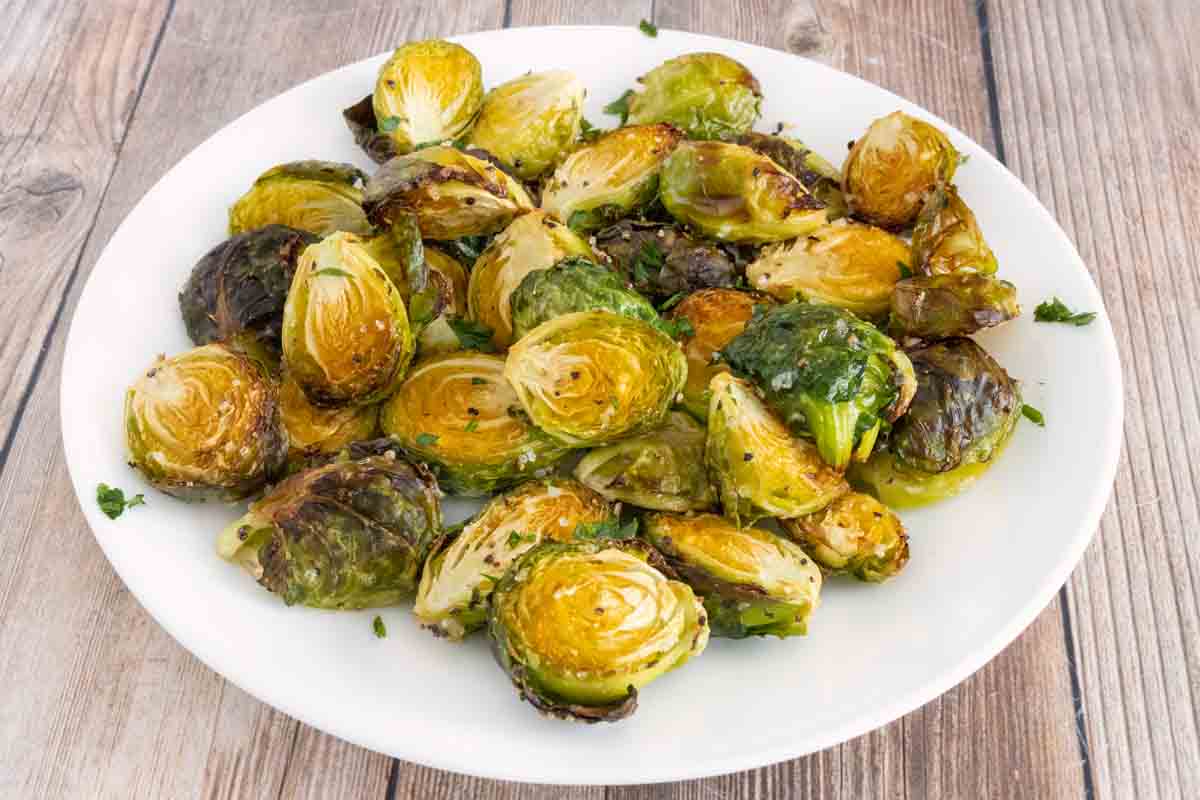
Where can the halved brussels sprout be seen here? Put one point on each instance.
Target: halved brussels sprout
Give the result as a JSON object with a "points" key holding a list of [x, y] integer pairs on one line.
{"points": [[580, 628], [427, 92], [349, 534], [533, 241], [964, 412], [449, 280], [942, 306], [753, 582], [452, 193], [706, 95], [610, 178], [828, 374], [593, 377], [346, 339], [312, 430], [661, 470], [820, 177], [947, 239], [457, 582], [531, 121], [662, 260], [574, 284], [844, 264], [238, 289], [732, 193], [716, 316], [315, 196], [761, 470], [893, 166], [400, 252], [854, 535], [204, 425], [457, 413]]}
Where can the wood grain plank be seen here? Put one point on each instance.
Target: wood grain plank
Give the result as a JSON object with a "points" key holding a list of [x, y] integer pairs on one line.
{"points": [[573, 12], [95, 698], [1098, 105], [70, 73]]}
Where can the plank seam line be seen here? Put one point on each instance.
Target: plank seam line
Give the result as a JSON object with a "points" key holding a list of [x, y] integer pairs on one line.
{"points": [[1081, 734], [40, 363], [393, 780]]}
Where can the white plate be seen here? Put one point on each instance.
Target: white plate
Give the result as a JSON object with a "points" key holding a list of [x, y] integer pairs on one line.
{"points": [[983, 565]]}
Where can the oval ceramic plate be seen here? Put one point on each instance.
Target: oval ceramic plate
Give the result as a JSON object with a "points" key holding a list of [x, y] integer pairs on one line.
{"points": [[983, 564]]}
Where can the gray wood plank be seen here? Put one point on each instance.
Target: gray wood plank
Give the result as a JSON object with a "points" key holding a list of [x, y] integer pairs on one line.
{"points": [[1098, 102], [70, 74]]}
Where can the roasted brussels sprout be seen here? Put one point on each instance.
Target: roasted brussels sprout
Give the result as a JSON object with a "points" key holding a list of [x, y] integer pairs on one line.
{"points": [[349, 534], [312, 430], [661, 470], [593, 377], [449, 280], [457, 582], [315, 196], [531, 121], [854, 535], [752, 582], [610, 178], [533, 241], [238, 289], [942, 306], [820, 177], [715, 316], [204, 425], [893, 166], [732, 193], [844, 264], [400, 252], [706, 95], [826, 373], [457, 413], [760, 469], [427, 92], [964, 412], [662, 260], [574, 284], [947, 239], [452, 193], [581, 627], [346, 339]]}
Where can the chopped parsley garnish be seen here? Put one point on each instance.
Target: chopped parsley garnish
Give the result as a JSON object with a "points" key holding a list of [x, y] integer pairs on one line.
{"points": [[388, 124], [472, 335], [1055, 310], [608, 529], [379, 628], [341, 273], [649, 28], [648, 263], [426, 440], [1033, 415], [905, 270], [112, 500], [672, 301], [620, 106], [516, 537], [478, 382], [678, 328], [472, 426], [588, 132]]}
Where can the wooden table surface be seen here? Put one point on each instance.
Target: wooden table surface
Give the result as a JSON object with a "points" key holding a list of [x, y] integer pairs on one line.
{"points": [[1093, 103]]}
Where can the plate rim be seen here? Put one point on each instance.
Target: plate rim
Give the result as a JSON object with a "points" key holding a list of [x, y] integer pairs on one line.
{"points": [[945, 679]]}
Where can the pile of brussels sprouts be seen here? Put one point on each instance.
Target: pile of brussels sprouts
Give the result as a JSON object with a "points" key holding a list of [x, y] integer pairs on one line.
{"points": [[641, 343]]}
